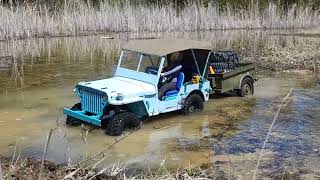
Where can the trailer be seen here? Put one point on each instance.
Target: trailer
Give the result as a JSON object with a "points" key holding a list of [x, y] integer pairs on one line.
{"points": [[229, 74]]}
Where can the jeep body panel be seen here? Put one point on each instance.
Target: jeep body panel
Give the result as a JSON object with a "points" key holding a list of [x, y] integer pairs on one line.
{"points": [[81, 115], [155, 106], [131, 90]]}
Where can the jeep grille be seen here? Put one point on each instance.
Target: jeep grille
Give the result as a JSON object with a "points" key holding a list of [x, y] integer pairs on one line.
{"points": [[91, 100]]}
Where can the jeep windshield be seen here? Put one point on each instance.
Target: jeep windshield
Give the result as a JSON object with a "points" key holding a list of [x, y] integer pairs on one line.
{"points": [[139, 62], [139, 66]]}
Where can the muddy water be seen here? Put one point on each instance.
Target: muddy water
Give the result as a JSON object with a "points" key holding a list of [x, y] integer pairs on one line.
{"points": [[229, 134], [294, 142]]}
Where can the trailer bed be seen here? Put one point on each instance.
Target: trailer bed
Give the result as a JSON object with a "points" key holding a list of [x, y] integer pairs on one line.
{"points": [[231, 80]]}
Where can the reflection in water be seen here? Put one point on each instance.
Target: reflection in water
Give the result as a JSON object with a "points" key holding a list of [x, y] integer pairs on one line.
{"points": [[41, 74], [20, 59]]}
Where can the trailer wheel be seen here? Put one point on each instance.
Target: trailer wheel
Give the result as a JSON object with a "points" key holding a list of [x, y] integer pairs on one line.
{"points": [[193, 103], [247, 87], [71, 121], [121, 120]]}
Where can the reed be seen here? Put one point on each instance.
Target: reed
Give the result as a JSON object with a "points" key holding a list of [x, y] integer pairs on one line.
{"points": [[1, 174], [76, 18]]}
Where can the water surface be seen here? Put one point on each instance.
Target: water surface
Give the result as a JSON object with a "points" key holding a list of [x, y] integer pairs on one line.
{"points": [[38, 75]]}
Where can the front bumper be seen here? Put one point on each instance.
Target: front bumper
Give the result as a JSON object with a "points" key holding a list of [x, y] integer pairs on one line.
{"points": [[94, 119]]}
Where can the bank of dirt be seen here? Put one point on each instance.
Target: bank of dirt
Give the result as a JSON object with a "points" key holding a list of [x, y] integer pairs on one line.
{"points": [[31, 168]]}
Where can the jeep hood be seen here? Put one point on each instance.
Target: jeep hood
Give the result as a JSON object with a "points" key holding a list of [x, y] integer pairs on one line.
{"points": [[131, 90]]}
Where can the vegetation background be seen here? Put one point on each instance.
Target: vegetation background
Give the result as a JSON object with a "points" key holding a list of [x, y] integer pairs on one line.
{"points": [[43, 18], [285, 4]]}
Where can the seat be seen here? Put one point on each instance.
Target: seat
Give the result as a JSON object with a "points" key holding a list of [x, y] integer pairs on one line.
{"points": [[179, 83]]}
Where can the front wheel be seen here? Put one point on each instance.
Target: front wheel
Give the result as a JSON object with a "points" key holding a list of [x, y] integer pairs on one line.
{"points": [[71, 121], [121, 120], [193, 103]]}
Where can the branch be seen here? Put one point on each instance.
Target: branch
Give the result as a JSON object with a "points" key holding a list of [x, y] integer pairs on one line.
{"points": [[270, 129], [45, 152]]}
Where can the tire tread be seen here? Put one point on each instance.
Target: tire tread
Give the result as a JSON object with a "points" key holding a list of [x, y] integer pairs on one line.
{"points": [[193, 98]]}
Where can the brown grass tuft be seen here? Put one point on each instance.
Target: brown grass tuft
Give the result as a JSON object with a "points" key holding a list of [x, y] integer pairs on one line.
{"points": [[76, 18]]}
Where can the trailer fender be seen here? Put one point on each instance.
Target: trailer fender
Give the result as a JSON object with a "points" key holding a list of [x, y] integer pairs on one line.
{"points": [[248, 75]]}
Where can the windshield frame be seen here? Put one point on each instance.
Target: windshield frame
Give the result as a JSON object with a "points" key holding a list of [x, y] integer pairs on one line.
{"points": [[136, 75]]}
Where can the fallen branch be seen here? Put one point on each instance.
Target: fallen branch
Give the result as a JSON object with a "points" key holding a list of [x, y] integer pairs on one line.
{"points": [[104, 150], [45, 152], [270, 129], [231, 168], [94, 166]]}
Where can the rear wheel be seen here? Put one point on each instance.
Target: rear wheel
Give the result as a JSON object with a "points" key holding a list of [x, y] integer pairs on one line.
{"points": [[247, 87], [71, 121], [193, 103], [121, 120]]}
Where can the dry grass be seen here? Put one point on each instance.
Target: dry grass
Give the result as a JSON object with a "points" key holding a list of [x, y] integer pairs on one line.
{"points": [[1, 174], [294, 52], [29, 168], [81, 18]]}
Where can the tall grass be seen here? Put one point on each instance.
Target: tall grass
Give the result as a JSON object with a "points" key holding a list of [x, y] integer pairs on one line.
{"points": [[76, 18]]}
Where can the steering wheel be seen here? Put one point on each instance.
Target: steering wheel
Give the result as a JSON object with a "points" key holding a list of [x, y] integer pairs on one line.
{"points": [[164, 79], [151, 70]]}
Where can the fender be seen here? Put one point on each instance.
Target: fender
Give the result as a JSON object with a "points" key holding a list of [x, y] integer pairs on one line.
{"points": [[246, 75], [197, 92]]}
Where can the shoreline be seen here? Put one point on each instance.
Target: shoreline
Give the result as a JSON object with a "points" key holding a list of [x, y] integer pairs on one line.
{"points": [[108, 33], [31, 168]]}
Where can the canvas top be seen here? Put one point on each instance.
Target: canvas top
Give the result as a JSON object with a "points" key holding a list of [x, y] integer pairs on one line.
{"points": [[163, 47]]}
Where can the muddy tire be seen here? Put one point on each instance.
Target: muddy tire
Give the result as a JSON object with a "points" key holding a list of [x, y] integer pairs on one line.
{"points": [[71, 121], [247, 87], [193, 103], [121, 120]]}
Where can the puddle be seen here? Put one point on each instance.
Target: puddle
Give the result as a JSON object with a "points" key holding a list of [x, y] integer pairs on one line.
{"points": [[228, 134]]}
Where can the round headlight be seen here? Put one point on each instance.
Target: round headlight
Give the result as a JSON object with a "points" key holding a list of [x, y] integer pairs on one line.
{"points": [[78, 91], [105, 98]]}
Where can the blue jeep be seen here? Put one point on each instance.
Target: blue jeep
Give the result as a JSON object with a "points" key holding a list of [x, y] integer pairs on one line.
{"points": [[133, 93]]}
